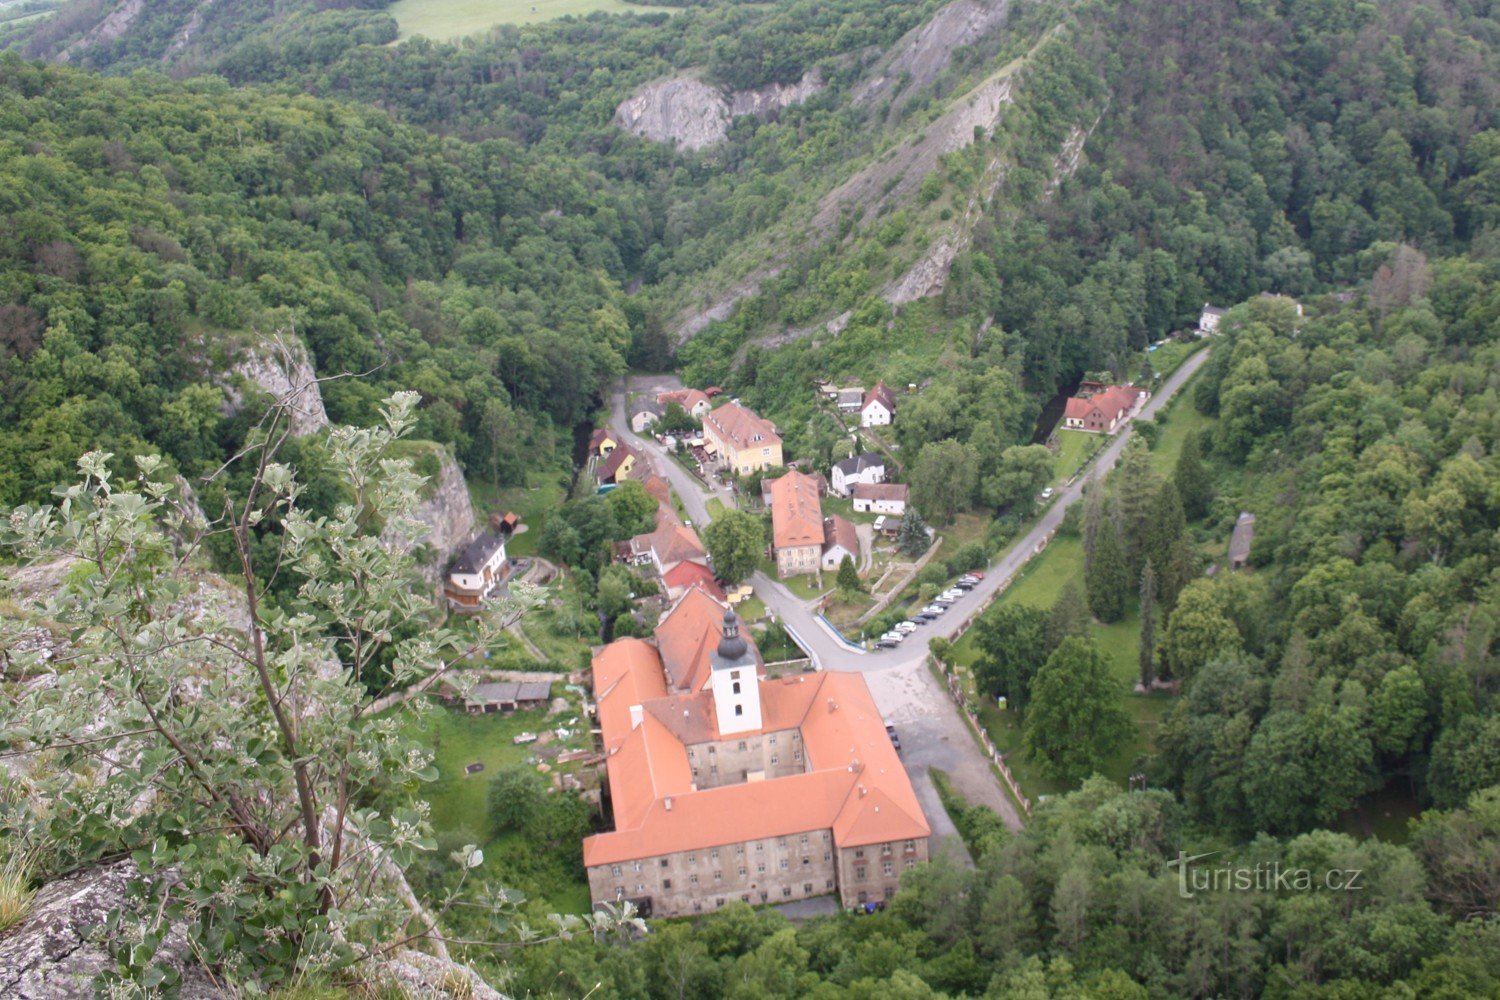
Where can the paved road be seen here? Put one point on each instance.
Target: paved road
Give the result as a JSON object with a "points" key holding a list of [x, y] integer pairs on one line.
{"points": [[692, 492], [933, 733]]}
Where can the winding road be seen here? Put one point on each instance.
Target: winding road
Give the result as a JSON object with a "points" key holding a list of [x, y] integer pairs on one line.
{"points": [[933, 734]]}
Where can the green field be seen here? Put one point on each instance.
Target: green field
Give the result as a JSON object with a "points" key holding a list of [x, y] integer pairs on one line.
{"points": [[445, 19], [1073, 449]]}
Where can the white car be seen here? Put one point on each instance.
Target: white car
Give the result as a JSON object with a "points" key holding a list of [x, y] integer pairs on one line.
{"points": [[1047, 493], [953, 592], [893, 637], [905, 628], [936, 609]]}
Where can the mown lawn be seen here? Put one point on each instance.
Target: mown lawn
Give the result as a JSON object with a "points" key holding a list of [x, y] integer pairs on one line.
{"points": [[1074, 448], [545, 492], [445, 19]]}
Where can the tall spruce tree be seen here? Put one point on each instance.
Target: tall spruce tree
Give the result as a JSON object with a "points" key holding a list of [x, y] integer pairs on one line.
{"points": [[1194, 485], [1108, 580], [1166, 527], [1148, 626], [1069, 616], [912, 539]]}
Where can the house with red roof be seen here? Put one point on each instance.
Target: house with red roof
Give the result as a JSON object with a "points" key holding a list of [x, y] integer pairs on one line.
{"points": [[879, 407], [724, 785], [1102, 410]]}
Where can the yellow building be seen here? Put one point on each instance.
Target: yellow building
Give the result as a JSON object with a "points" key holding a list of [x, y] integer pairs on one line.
{"points": [[741, 440]]}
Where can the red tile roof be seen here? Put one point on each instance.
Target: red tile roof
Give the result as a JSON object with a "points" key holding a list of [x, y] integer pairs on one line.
{"points": [[688, 635], [612, 462], [839, 531], [855, 785], [741, 427], [880, 392], [1112, 402], [796, 513], [691, 574]]}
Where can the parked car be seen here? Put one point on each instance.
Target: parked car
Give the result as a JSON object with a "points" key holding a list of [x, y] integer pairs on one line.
{"points": [[923, 617], [953, 592], [886, 644], [1047, 493], [977, 575], [935, 609], [965, 585], [905, 628], [897, 637]]}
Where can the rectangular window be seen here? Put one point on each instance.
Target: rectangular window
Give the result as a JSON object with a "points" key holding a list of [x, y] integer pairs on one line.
{"points": [[739, 850], [664, 862], [828, 883], [666, 883], [760, 845], [827, 856], [734, 675], [911, 845], [693, 879], [772, 739], [713, 854], [739, 710], [692, 859], [697, 906], [807, 887], [783, 864], [804, 840], [736, 687], [761, 867], [859, 852], [859, 872], [786, 890], [637, 866], [718, 876], [744, 745], [775, 760], [614, 869], [743, 873], [887, 869]]}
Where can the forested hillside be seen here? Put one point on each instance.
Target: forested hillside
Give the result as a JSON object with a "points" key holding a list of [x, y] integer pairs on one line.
{"points": [[154, 226]]}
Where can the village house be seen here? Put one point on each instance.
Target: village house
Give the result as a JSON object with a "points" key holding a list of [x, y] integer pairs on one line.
{"points": [[602, 442], [479, 569], [1241, 540], [685, 576], [851, 400], [645, 411], [694, 401], [1208, 319], [840, 541], [723, 785], [1099, 409], [868, 468], [796, 524], [616, 465], [879, 407], [668, 545], [881, 498], [740, 440]]}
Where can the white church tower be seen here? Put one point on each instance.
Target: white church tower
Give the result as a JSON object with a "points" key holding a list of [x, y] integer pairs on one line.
{"points": [[735, 682]]}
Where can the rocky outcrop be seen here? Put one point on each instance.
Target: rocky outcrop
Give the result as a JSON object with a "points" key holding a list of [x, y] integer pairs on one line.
{"points": [[282, 369], [925, 52], [448, 512], [695, 115], [895, 177], [114, 25], [52, 954]]}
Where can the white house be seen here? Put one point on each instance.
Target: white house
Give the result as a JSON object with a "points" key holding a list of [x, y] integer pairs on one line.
{"points": [[476, 572], [879, 407], [840, 541], [1208, 320], [866, 468], [880, 498], [644, 412]]}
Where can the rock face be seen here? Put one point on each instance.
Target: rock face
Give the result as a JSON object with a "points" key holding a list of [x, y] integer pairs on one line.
{"points": [[684, 110], [283, 370], [52, 956], [114, 24], [925, 51], [448, 513], [49, 956]]}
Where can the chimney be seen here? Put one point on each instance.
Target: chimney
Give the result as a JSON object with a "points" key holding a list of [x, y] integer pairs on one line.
{"points": [[637, 713], [833, 706], [667, 802], [863, 791]]}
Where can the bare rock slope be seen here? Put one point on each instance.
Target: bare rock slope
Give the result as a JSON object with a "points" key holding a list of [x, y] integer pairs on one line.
{"points": [[694, 115]]}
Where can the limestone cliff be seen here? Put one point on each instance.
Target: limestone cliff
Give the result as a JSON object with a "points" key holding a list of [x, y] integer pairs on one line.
{"points": [[447, 511], [925, 52], [684, 110], [282, 369]]}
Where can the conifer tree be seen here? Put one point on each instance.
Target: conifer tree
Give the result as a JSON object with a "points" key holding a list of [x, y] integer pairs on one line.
{"points": [[1148, 625], [1108, 580]]}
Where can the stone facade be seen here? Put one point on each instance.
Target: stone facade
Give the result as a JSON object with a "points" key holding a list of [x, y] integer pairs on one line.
{"points": [[754, 758], [773, 870], [872, 873], [798, 559]]}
